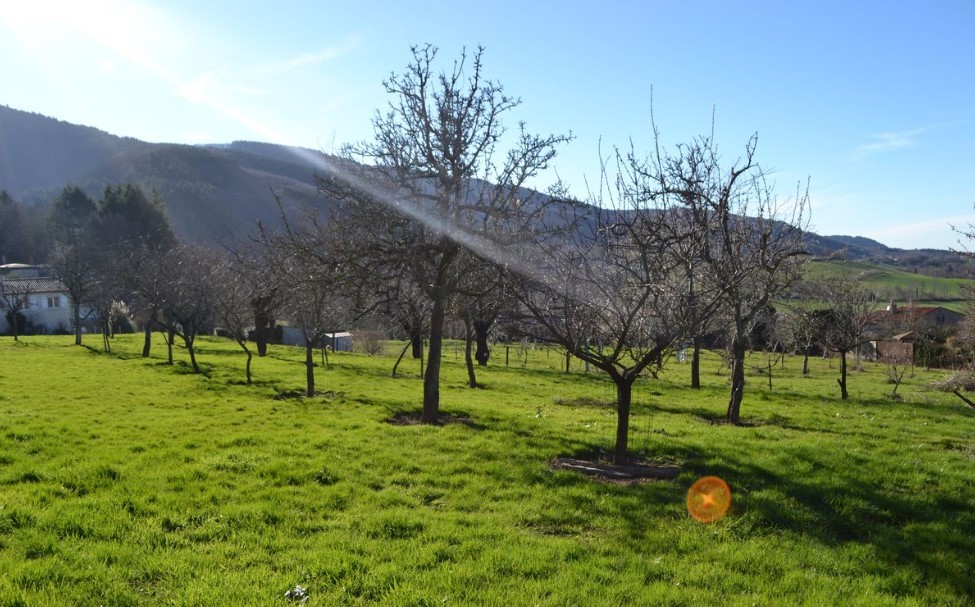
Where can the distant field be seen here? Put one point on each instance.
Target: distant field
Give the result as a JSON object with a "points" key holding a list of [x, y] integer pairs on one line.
{"points": [[893, 284], [124, 481]]}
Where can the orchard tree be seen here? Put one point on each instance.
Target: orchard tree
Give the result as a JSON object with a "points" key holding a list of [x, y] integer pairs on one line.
{"points": [[607, 291], [437, 196], [799, 328], [407, 306], [700, 305], [751, 244], [486, 291], [844, 321], [308, 280], [233, 303], [148, 285], [190, 280], [15, 297], [312, 305]]}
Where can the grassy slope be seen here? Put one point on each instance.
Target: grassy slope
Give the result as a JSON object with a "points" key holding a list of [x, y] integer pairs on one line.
{"points": [[892, 283], [128, 482]]}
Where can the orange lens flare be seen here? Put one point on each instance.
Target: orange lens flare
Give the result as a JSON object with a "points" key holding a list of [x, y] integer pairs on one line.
{"points": [[708, 499]]}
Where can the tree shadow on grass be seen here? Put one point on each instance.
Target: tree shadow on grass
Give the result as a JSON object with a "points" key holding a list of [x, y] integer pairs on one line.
{"points": [[835, 506], [922, 541], [182, 367]]}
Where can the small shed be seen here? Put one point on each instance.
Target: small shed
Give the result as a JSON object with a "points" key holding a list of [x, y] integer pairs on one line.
{"points": [[336, 342], [339, 342], [897, 349]]}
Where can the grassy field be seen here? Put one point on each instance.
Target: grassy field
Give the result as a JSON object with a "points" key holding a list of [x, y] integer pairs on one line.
{"points": [[124, 481], [890, 283]]}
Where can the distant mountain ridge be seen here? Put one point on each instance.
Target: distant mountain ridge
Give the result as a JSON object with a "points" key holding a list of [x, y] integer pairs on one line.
{"points": [[217, 192], [212, 192]]}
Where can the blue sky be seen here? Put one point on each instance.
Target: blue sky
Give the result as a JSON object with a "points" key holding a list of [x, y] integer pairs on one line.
{"points": [[873, 101]]}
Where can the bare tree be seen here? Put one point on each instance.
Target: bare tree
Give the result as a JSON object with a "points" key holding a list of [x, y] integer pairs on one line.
{"points": [[751, 239], [308, 281], [700, 307], [843, 323], [233, 304], [189, 305], [607, 291], [436, 198], [147, 283], [484, 292], [105, 307], [799, 326], [76, 267], [316, 310], [15, 297]]}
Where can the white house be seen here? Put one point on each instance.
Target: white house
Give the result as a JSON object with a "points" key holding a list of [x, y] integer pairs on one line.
{"points": [[42, 299]]}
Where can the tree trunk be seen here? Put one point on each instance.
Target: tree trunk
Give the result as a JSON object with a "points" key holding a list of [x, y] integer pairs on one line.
{"points": [[624, 396], [737, 381], [400, 357], [248, 366], [309, 369], [967, 400], [468, 358], [263, 324], [431, 379], [76, 311], [416, 341], [147, 340], [805, 362], [189, 347], [483, 353], [696, 364], [243, 345], [169, 347], [842, 381]]}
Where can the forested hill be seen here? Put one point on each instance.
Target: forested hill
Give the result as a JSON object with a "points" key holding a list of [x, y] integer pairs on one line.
{"points": [[216, 192], [212, 193]]}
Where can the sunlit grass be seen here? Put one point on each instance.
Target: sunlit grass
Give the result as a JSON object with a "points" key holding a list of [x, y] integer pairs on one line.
{"points": [[124, 481], [892, 283]]}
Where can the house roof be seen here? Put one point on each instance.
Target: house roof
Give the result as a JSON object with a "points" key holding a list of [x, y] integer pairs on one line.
{"points": [[31, 286], [907, 314]]}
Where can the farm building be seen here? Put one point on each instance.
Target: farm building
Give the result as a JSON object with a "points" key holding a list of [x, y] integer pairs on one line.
{"points": [[42, 300], [336, 342]]}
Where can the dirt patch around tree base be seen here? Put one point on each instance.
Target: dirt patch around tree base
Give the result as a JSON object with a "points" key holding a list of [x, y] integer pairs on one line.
{"points": [[626, 474], [416, 418]]}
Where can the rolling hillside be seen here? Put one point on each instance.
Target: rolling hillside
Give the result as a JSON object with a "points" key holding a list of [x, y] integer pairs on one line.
{"points": [[213, 193], [894, 284], [218, 192]]}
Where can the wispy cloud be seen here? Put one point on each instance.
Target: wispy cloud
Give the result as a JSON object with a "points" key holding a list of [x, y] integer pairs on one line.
{"points": [[307, 59], [888, 142], [226, 91]]}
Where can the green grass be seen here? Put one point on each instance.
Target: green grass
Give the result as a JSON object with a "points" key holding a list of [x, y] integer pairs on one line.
{"points": [[890, 283], [124, 481]]}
